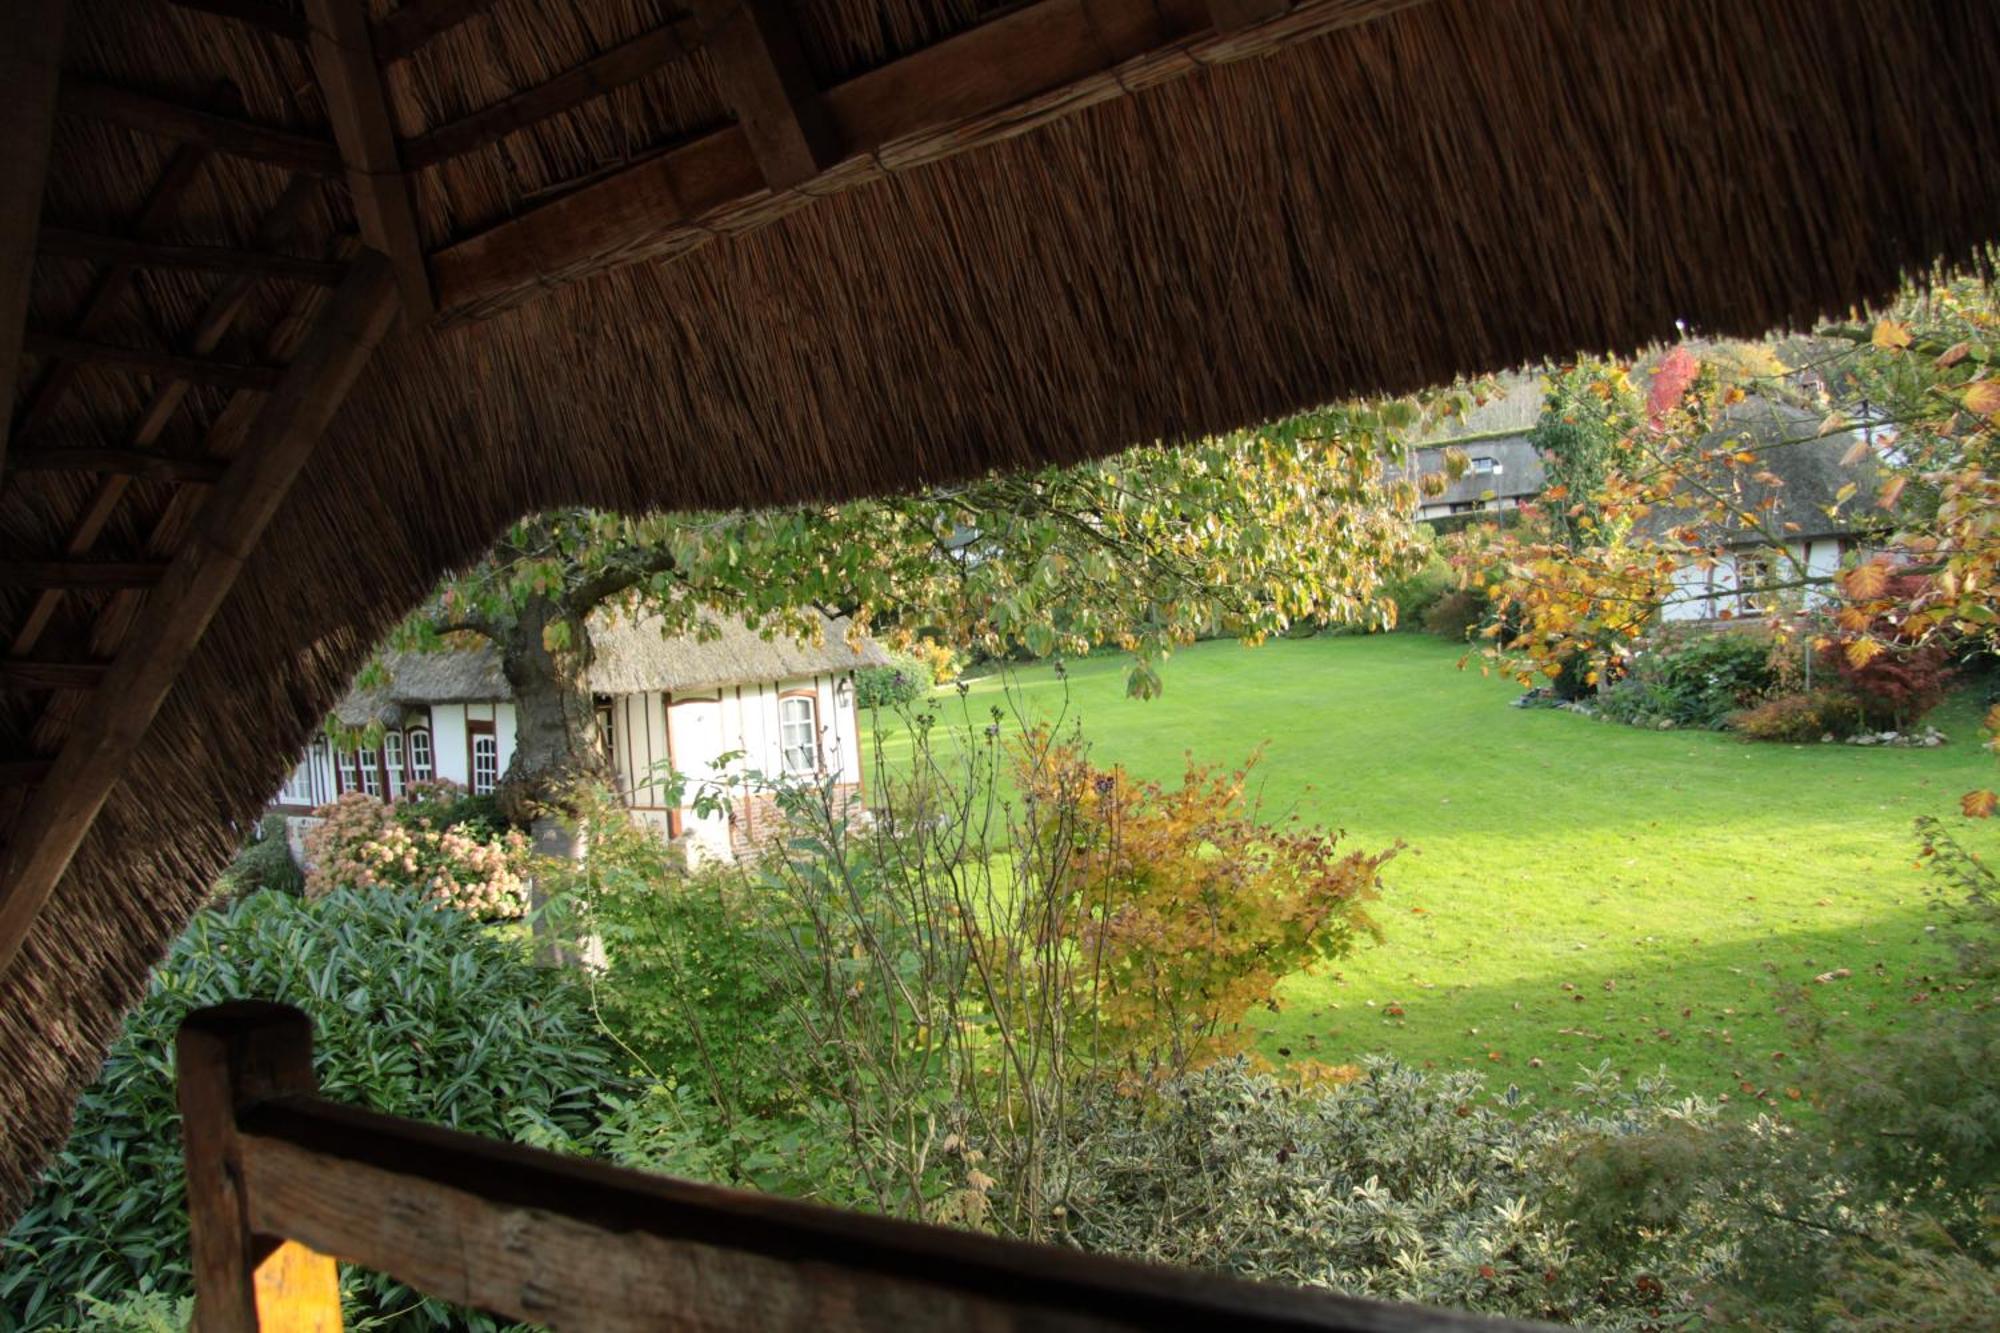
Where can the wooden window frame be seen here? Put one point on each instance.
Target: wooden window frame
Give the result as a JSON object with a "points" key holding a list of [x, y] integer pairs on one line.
{"points": [[474, 729], [346, 772], [428, 772], [395, 776], [819, 743], [368, 763]]}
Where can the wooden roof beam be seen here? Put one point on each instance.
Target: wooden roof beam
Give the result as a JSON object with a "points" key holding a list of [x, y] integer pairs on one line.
{"points": [[80, 573], [146, 114], [177, 613], [68, 243], [199, 369], [139, 464], [30, 74], [755, 52], [402, 32], [1230, 15], [216, 320], [622, 64], [29, 674], [1029, 65], [357, 102]]}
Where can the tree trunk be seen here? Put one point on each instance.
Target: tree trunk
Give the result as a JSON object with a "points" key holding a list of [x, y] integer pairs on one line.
{"points": [[556, 748]]}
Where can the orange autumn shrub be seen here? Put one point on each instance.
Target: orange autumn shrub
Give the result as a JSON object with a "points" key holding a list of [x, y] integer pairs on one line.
{"points": [[1185, 908]]}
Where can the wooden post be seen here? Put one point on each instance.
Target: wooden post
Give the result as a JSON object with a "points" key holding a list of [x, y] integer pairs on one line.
{"points": [[231, 1057]]}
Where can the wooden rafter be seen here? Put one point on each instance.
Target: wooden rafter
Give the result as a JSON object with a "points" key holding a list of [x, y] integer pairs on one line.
{"points": [[68, 243], [403, 31], [215, 322], [200, 369], [30, 73], [81, 573], [114, 284], [29, 674], [1032, 64], [343, 58], [136, 463], [762, 70], [147, 114], [1229, 15], [178, 611], [622, 64]]}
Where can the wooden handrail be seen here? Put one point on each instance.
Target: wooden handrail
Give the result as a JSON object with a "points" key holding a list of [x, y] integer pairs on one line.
{"points": [[280, 1178]]}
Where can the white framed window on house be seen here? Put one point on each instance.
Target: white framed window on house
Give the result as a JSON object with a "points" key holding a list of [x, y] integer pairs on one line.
{"points": [[392, 764], [484, 750], [421, 766], [1485, 465], [1753, 575], [298, 788], [349, 777], [369, 763], [798, 732]]}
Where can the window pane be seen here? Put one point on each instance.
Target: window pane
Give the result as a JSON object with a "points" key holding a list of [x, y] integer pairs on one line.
{"points": [[392, 763], [798, 734], [371, 773], [485, 764]]}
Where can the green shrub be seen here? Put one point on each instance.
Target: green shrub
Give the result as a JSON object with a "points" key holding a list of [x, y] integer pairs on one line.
{"points": [[417, 1012], [1457, 614], [905, 680], [1418, 591], [1700, 681], [265, 862], [1801, 717], [1400, 1185]]}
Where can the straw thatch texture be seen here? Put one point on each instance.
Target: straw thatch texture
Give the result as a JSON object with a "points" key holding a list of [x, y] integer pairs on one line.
{"points": [[632, 655], [1460, 187]]}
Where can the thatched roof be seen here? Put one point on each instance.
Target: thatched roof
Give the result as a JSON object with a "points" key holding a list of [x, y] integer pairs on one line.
{"points": [[1798, 471], [632, 655], [893, 242]]}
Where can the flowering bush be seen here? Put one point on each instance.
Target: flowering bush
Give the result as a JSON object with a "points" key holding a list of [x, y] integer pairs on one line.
{"points": [[423, 843]]}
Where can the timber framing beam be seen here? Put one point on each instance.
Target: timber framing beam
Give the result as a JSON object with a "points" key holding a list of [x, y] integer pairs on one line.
{"points": [[1027, 67], [68, 243], [357, 102], [622, 64], [177, 612], [762, 70], [145, 114], [199, 369], [254, 13], [30, 74], [81, 573], [136, 463]]}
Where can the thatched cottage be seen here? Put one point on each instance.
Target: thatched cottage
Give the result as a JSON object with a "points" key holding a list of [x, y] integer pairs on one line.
{"points": [[710, 710], [303, 301]]}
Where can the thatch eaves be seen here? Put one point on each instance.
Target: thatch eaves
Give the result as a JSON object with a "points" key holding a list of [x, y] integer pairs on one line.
{"points": [[632, 655], [1037, 233]]}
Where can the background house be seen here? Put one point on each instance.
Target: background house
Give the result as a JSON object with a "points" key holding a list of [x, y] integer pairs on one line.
{"points": [[664, 704], [1504, 470]]}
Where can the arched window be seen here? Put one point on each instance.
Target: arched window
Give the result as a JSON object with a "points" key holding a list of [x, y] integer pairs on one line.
{"points": [[392, 764], [371, 772], [349, 778], [421, 769], [798, 732]]}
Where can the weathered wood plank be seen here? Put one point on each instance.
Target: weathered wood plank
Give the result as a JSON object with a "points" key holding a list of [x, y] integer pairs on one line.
{"points": [[199, 369], [30, 73], [69, 243], [575, 1244], [177, 613], [343, 57], [755, 52], [226, 1058], [622, 64], [403, 31], [147, 114], [1026, 67]]}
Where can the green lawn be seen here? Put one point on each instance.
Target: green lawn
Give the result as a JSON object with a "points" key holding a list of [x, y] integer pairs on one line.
{"points": [[1572, 891]]}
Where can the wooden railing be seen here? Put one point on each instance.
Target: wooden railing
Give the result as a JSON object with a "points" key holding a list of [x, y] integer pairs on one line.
{"points": [[282, 1183]]}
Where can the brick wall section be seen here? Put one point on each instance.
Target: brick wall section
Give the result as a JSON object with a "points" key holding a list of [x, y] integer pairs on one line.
{"points": [[755, 821]]}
